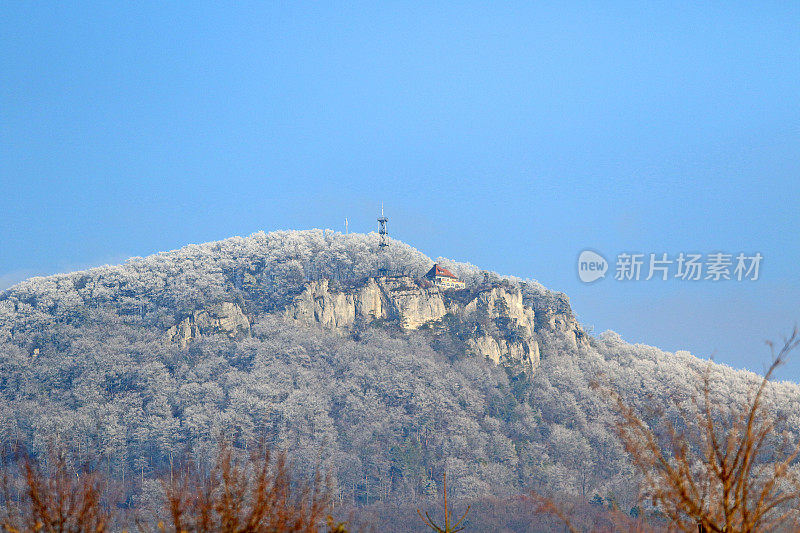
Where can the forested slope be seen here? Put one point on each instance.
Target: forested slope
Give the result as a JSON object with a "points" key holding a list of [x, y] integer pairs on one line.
{"points": [[94, 360]]}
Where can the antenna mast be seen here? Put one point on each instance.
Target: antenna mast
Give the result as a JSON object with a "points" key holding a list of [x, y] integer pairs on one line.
{"points": [[383, 244]]}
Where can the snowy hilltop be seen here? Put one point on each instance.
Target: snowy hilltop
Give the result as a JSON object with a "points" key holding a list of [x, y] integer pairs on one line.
{"points": [[293, 337]]}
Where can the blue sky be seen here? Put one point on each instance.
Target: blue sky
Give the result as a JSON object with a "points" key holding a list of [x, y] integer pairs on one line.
{"points": [[511, 136]]}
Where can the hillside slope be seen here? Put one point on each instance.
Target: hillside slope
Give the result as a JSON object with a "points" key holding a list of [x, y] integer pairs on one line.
{"points": [[290, 337]]}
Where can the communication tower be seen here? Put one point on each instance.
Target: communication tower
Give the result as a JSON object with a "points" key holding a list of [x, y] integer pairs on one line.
{"points": [[383, 269]]}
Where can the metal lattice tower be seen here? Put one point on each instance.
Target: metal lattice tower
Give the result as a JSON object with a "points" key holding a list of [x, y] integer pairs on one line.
{"points": [[382, 231], [383, 244]]}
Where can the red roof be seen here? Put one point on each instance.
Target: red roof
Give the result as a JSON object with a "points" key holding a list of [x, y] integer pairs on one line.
{"points": [[436, 270]]}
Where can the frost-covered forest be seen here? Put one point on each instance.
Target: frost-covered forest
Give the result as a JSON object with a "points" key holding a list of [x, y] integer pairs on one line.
{"points": [[85, 363]]}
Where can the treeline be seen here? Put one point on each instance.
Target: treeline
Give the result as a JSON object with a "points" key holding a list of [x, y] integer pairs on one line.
{"points": [[384, 416], [261, 270], [84, 362], [253, 490], [241, 491]]}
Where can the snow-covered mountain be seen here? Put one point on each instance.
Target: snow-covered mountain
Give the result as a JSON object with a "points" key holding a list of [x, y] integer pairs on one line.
{"points": [[385, 382]]}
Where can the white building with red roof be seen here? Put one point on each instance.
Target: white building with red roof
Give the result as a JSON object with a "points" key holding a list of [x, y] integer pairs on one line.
{"points": [[444, 278]]}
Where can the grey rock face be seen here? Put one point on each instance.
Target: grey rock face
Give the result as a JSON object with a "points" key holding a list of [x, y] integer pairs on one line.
{"points": [[492, 321], [378, 298], [501, 327], [510, 339], [555, 314], [225, 317]]}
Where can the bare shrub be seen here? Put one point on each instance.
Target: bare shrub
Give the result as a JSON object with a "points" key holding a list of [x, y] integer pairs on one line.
{"points": [[246, 494], [578, 515], [55, 499], [447, 526], [718, 471]]}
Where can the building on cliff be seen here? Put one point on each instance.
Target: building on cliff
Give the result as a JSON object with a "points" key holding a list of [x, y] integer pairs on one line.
{"points": [[444, 278]]}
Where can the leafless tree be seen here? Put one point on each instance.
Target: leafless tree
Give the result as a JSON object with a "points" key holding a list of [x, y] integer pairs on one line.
{"points": [[718, 471], [250, 494], [447, 527], [55, 499]]}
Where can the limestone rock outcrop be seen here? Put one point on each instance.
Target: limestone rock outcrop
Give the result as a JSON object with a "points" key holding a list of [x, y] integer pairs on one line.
{"points": [[225, 317], [413, 304], [499, 325], [399, 298], [506, 328], [184, 332], [555, 314], [518, 354], [337, 308]]}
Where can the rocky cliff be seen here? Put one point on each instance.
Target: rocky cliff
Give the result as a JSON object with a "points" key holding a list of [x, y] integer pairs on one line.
{"points": [[225, 317], [491, 321], [554, 314], [400, 298]]}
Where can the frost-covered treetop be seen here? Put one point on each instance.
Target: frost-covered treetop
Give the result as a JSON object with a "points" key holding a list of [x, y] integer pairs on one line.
{"points": [[264, 267]]}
